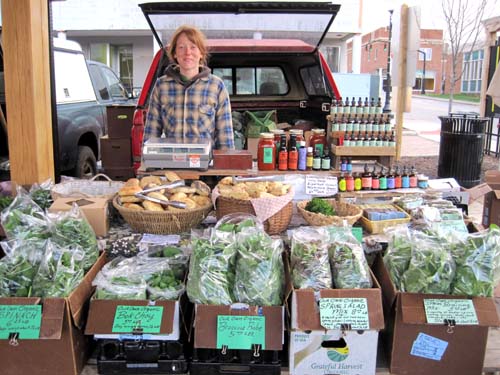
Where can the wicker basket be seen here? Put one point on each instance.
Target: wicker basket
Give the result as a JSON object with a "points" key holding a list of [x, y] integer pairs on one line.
{"points": [[274, 225], [86, 188], [162, 222], [345, 211]]}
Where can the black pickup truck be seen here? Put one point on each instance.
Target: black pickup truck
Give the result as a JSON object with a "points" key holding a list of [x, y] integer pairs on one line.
{"points": [[83, 90]]}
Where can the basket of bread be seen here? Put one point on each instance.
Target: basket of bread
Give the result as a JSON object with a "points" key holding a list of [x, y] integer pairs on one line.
{"points": [[270, 201], [319, 212], [163, 206]]}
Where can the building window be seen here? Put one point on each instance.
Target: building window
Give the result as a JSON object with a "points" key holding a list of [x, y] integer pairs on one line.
{"points": [[429, 80], [117, 57], [332, 54], [472, 71], [428, 54]]}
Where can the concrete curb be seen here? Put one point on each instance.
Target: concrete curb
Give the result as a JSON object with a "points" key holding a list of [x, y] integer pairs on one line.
{"points": [[444, 100]]}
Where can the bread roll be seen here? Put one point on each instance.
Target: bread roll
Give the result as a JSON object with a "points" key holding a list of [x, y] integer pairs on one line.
{"points": [[226, 181], [183, 189], [201, 200], [129, 190], [132, 182], [178, 196], [201, 188], [145, 181], [172, 176], [133, 206], [130, 199], [152, 206], [157, 195], [190, 204]]}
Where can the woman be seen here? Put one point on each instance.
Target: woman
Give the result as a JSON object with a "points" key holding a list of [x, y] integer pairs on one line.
{"points": [[188, 101]]}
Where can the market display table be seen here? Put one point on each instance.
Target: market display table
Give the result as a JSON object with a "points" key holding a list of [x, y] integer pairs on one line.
{"points": [[383, 155]]}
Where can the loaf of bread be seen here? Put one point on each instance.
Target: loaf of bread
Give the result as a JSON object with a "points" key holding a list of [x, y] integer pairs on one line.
{"points": [[129, 190], [152, 206]]}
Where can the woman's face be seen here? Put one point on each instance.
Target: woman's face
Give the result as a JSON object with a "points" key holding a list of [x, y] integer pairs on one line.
{"points": [[187, 54]]}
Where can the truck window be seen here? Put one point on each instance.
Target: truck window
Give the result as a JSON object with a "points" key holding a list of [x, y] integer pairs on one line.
{"points": [[115, 87], [253, 80], [72, 79], [314, 82], [99, 82]]}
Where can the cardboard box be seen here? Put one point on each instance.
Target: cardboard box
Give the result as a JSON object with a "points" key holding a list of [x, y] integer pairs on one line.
{"points": [[444, 184], [95, 211], [62, 349], [317, 351], [116, 152], [232, 159], [464, 345], [491, 207], [120, 119]]}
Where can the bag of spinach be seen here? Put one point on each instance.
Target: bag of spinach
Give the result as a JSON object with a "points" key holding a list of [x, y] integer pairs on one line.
{"points": [[164, 277], [431, 268], [211, 267], [309, 258], [349, 266], [398, 255], [259, 275]]}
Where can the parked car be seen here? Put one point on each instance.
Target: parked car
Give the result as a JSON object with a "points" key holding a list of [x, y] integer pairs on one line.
{"points": [[274, 72], [83, 90]]}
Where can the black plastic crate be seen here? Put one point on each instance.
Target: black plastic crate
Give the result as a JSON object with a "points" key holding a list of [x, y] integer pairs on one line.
{"points": [[214, 361], [141, 357]]}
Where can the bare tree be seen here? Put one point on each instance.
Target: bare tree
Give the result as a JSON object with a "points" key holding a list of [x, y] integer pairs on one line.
{"points": [[463, 22]]}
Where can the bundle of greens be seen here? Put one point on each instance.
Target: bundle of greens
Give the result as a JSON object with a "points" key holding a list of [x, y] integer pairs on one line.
{"points": [[59, 273], [212, 267], [320, 206], [5, 201], [398, 255], [19, 267], [237, 222], [259, 268], [40, 193], [72, 229], [431, 269], [164, 285], [476, 259], [349, 266], [309, 258]]}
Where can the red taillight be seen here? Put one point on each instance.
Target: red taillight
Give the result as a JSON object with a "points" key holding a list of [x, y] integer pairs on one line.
{"points": [[137, 136]]}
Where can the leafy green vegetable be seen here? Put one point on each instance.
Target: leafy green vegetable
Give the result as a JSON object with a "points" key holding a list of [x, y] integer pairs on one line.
{"points": [[42, 197], [164, 285], [398, 255], [309, 258], [320, 206], [259, 275], [5, 202]]}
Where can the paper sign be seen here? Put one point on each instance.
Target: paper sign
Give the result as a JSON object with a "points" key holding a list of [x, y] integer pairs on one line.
{"points": [[22, 319], [321, 185], [194, 161], [336, 311], [460, 310], [159, 239], [131, 318], [240, 332], [429, 347]]}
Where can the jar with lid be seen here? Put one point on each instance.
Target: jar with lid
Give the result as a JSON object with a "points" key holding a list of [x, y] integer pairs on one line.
{"points": [[299, 134], [266, 152], [318, 140]]}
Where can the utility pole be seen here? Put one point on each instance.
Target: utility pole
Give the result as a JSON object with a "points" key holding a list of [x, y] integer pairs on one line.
{"points": [[387, 104]]}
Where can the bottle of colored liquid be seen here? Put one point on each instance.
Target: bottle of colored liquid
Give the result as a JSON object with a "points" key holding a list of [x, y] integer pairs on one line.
{"points": [[357, 182], [391, 181], [316, 160], [343, 165], [382, 179], [293, 154], [302, 164], [413, 178], [366, 179], [325, 162], [375, 180], [405, 178], [283, 155], [349, 165], [349, 181], [398, 183], [309, 159], [342, 183]]}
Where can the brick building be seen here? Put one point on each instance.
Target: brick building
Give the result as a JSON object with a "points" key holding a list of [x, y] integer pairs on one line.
{"points": [[374, 47], [469, 69]]}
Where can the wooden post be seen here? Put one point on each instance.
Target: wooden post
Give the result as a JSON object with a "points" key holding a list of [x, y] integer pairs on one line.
{"points": [[402, 68], [491, 27], [25, 37]]}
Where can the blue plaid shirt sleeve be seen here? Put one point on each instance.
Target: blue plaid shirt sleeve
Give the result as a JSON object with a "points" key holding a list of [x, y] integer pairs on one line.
{"points": [[154, 126], [224, 136]]}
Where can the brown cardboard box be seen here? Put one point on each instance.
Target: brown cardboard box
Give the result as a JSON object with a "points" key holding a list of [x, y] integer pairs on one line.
{"points": [[95, 211], [120, 119], [361, 356], [62, 349], [491, 208], [116, 152], [232, 159], [406, 319]]}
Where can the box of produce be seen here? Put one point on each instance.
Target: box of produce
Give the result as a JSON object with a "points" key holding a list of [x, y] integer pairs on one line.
{"points": [[377, 217], [437, 293], [336, 304]]}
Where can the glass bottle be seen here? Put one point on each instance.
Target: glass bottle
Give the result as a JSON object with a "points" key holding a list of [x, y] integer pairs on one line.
{"points": [[340, 106], [309, 158], [333, 108], [318, 140], [366, 107], [405, 178], [379, 105], [302, 163], [266, 152], [283, 155], [347, 106], [359, 108], [372, 106], [325, 162], [398, 183], [343, 165], [316, 161], [413, 177], [342, 183], [357, 182], [366, 179], [349, 182], [293, 154], [392, 140], [349, 165], [353, 105], [382, 179], [375, 179], [391, 183]]}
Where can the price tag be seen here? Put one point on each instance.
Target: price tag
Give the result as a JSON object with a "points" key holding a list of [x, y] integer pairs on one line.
{"points": [[131, 318], [321, 185], [334, 312], [460, 310], [194, 161], [159, 239], [240, 332], [22, 319]]}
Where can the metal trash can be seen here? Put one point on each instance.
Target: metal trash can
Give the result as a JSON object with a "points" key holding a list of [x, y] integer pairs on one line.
{"points": [[461, 148]]}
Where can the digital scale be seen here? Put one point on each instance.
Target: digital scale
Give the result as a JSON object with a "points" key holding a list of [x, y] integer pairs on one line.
{"points": [[169, 153]]}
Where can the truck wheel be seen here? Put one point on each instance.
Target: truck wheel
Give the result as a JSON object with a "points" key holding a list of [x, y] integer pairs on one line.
{"points": [[86, 165]]}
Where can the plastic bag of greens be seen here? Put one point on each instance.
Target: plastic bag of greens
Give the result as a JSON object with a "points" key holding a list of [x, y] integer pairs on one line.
{"points": [[60, 271], [70, 228], [259, 274], [24, 219], [309, 258], [40, 193], [121, 280], [237, 222], [349, 266], [398, 255], [476, 259], [174, 253], [431, 268], [211, 267], [165, 281], [19, 267]]}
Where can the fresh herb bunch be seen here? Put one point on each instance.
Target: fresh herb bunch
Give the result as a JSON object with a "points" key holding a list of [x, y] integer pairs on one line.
{"points": [[25, 222], [211, 269], [42, 197], [122, 288], [5, 202], [164, 285], [309, 259], [259, 269], [320, 206], [398, 256], [349, 267]]}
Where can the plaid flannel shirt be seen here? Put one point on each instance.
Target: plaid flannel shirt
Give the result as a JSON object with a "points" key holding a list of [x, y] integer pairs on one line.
{"points": [[197, 109]]}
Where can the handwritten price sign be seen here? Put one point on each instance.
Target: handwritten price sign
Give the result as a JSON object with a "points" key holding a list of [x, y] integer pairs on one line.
{"points": [[22, 319], [460, 310], [130, 318], [240, 332], [336, 311]]}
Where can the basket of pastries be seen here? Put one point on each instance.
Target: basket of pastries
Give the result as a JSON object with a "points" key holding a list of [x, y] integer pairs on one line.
{"points": [[163, 206], [270, 201], [319, 212]]}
